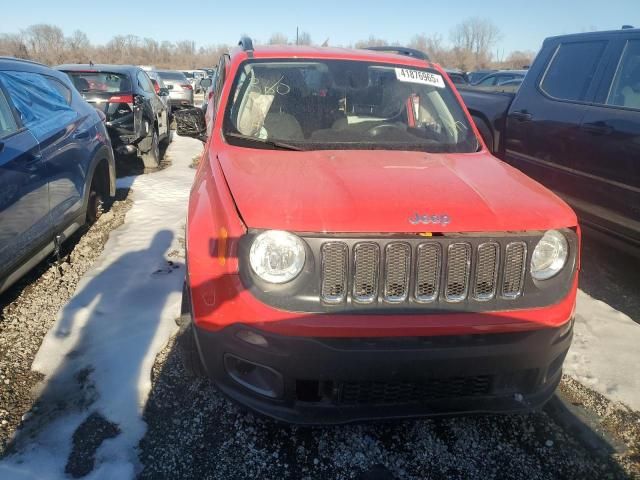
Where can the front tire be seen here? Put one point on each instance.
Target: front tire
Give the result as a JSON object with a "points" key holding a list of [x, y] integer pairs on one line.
{"points": [[485, 132], [186, 341], [95, 204]]}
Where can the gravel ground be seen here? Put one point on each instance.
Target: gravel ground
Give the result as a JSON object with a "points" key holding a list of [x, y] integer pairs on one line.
{"points": [[29, 308], [195, 433]]}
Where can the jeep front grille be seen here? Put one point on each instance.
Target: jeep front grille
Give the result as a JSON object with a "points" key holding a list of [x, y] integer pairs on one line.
{"points": [[514, 266], [396, 269], [484, 283], [334, 272], [458, 265], [365, 272], [396, 272], [428, 265]]}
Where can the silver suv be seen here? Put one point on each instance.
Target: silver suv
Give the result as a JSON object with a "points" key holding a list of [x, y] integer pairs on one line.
{"points": [[180, 90]]}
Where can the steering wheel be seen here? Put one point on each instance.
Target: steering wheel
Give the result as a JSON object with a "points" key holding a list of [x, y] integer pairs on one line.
{"points": [[381, 129]]}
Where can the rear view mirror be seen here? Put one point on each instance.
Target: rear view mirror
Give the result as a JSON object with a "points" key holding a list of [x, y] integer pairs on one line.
{"points": [[163, 92], [205, 82], [190, 123]]}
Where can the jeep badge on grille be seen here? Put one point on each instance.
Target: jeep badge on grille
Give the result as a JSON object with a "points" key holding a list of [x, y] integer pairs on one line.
{"points": [[442, 219]]}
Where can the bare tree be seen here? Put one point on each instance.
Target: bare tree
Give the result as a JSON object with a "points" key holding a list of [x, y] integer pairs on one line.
{"points": [[476, 36], [304, 38], [12, 45], [372, 41], [45, 43], [518, 59], [278, 39], [78, 48], [431, 45]]}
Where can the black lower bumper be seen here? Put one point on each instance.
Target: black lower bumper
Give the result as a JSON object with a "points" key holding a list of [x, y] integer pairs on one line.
{"points": [[335, 380]]}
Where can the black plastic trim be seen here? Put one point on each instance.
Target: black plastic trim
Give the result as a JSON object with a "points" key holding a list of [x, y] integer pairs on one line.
{"points": [[302, 294]]}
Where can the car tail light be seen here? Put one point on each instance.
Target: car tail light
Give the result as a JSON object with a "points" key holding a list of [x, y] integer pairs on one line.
{"points": [[187, 86], [156, 87], [120, 99]]}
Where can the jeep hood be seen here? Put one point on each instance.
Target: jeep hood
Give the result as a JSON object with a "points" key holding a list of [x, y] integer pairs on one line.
{"points": [[380, 191]]}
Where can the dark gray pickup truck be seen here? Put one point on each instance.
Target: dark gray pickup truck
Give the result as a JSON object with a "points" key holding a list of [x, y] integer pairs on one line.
{"points": [[574, 125]]}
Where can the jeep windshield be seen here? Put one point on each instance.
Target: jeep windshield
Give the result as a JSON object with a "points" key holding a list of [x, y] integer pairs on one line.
{"points": [[343, 104]]}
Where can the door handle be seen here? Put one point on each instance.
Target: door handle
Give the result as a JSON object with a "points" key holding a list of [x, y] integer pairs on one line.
{"points": [[597, 128], [82, 134], [30, 160], [522, 116]]}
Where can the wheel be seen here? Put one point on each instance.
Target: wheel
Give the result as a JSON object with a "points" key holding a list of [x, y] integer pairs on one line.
{"points": [[151, 159], [186, 341], [168, 139], [485, 132], [95, 205]]}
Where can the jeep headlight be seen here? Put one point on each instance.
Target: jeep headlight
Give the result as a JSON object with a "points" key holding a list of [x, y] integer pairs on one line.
{"points": [[277, 256], [549, 256]]}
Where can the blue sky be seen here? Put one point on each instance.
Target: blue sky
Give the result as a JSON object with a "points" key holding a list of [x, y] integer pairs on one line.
{"points": [[523, 24]]}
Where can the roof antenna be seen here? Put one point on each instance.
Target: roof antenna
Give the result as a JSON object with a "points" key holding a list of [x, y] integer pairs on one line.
{"points": [[90, 63], [326, 43]]}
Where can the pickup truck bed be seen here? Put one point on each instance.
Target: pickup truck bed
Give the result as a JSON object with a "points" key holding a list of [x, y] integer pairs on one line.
{"points": [[489, 110]]}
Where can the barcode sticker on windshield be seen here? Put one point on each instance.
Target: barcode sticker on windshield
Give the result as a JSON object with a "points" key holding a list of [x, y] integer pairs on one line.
{"points": [[418, 76]]}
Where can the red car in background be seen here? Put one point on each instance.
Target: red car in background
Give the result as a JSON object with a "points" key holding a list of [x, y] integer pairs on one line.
{"points": [[355, 252]]}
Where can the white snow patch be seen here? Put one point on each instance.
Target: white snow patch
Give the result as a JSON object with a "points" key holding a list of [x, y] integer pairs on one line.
{"points": [[605, 353], [121, 315]]}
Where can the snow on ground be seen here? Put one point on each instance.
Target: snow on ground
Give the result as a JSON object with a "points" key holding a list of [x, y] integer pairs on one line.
{"points": [[605, 352], [97, 358]]}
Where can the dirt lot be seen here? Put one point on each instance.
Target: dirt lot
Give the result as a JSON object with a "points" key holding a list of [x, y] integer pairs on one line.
{"points": [[194, 432]]}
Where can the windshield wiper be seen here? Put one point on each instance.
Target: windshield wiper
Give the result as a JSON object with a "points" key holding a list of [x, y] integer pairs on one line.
{"points": [[262, 141]]}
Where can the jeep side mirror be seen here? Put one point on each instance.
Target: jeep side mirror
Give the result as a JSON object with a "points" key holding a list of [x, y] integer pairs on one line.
{"points": [[205, 82], [190, 122], [163, 92]]}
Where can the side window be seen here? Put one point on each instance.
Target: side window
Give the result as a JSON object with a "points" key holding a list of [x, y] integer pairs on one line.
{"points": [[217, 88], [60, 87], [7, 121], [144, 82], [625, 89], [571, 70], [220, 79], [41, 106], [489, 81]]}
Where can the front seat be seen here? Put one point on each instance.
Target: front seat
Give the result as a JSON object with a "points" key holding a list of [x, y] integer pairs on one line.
{"points": [[82, 85], [282, 126]]}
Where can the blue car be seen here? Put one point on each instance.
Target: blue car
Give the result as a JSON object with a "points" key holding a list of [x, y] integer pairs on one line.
{"points": [[56, 164]]}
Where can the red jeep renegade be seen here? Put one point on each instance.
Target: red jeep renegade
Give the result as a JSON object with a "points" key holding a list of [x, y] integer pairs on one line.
{"points": [[355, 252]]}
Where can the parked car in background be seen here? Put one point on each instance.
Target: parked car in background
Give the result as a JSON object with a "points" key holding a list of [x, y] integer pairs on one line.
{"points": [[137, 120], [357, 253], [515, 83], [161, 90], [574, 125], [180, 90], [56, 164], [194, 77], [498, 78], [478, 75], [458, 77], [208, 91]]}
